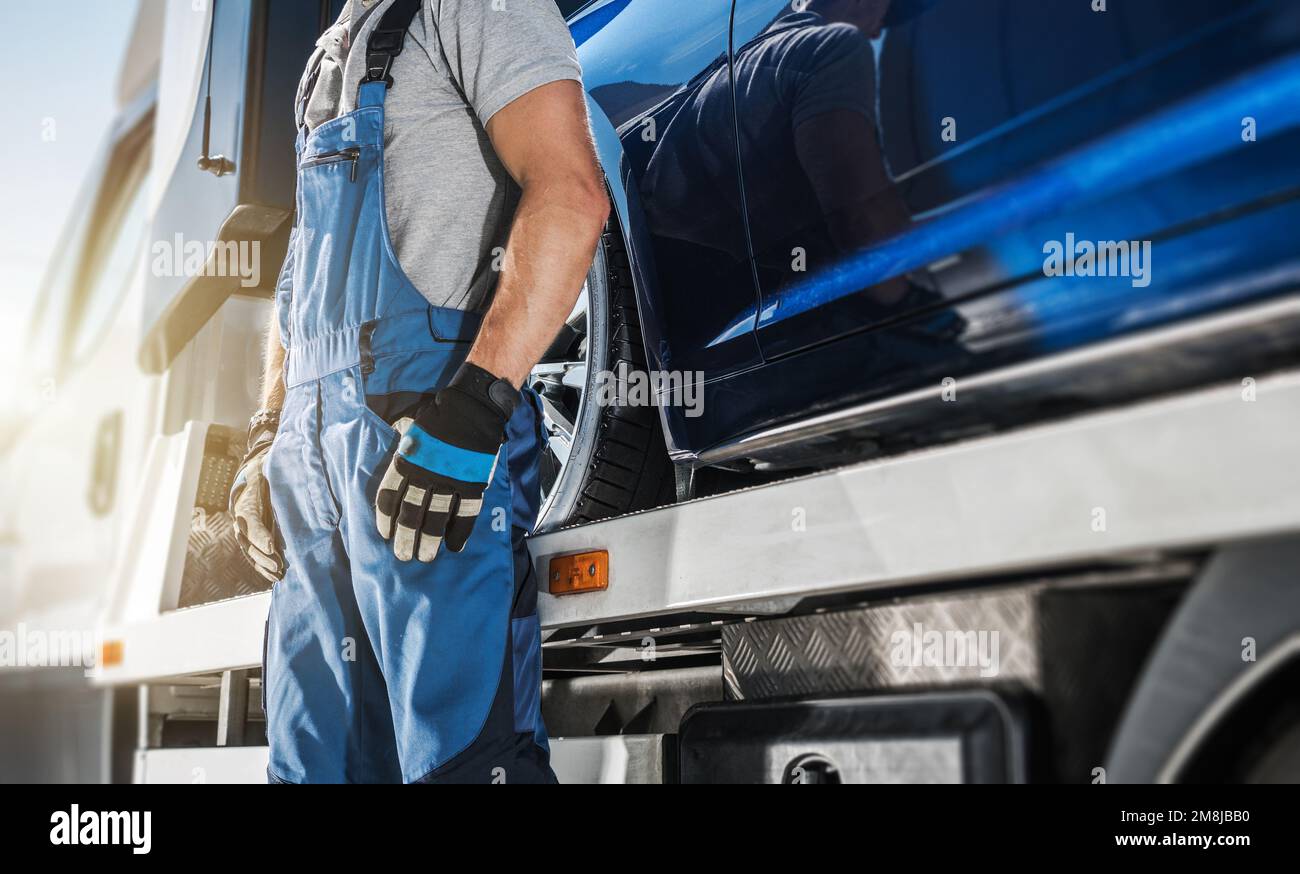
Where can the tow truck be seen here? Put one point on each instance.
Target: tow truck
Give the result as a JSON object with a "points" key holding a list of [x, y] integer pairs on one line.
{"points": [[754, 635], [1103, 593]]}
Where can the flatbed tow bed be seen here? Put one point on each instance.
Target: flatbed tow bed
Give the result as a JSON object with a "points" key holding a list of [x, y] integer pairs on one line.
{"points": [[1105, 488]]}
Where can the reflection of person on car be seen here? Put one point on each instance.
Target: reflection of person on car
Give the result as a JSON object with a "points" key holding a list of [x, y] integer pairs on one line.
{"points": [[805, 98]]}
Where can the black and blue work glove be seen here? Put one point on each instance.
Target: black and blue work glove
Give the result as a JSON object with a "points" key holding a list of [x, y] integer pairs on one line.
{"points": [[433, 489]]}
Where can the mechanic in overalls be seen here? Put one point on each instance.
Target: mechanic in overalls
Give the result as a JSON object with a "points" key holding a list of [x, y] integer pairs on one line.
{"points": [[449, 205]]}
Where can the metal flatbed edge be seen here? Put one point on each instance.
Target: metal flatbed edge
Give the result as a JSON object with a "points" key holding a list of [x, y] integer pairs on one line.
{"points": [[1197, 468], [1202, 467], [222, 636]]}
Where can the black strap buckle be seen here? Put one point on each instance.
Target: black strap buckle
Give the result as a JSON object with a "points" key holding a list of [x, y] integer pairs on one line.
{"points": [[378, 67], [387, 39]]}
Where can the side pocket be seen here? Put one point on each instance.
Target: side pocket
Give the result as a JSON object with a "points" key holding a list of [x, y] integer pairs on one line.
{"points": [[284, 290], [525, 448], [543, 438], [266, 640], [526, 657]]}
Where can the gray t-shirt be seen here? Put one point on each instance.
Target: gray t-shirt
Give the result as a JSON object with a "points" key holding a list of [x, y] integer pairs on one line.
{"points": [[450, 202]]}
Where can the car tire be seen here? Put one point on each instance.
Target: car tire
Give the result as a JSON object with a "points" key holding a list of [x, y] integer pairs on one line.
{"points": [[612, 459]]}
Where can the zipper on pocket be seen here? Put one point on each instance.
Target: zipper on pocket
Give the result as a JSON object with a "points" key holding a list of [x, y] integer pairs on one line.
{"points": [[352, 153]]}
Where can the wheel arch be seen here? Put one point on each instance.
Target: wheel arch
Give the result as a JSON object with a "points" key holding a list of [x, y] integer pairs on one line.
{"points": [[1210, 744], [630, 222], [1198, 679]]}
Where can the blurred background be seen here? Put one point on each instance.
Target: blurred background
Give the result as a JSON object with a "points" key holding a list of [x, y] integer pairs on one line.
{"points": [[73, 222], [58, 124]]}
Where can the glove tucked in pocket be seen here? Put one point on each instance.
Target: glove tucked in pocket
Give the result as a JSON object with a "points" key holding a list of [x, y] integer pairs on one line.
{"points": [[433, 489]]}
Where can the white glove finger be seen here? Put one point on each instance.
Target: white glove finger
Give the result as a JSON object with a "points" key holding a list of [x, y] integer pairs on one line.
{"points": [[429, 544], [269, 560], [260, 536], [410, 518], [388, 500], [271, 576]]}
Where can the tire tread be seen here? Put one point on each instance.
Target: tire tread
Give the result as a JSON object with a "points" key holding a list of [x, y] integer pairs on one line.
{"points": [[630, 469]]}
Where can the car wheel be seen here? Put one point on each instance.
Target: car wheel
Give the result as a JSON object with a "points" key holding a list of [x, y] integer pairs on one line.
{"points": [[602, 460]]}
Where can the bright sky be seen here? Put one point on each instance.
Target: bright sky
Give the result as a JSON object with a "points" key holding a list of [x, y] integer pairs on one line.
{"points": [[59, 67]]}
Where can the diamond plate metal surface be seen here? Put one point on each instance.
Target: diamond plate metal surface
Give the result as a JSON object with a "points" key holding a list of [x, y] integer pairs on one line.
{"points": [[971, 638], [215, 569]]}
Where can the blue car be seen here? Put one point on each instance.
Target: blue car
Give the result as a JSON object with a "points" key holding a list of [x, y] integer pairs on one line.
{"points": [[846, 228], [854, 227]]}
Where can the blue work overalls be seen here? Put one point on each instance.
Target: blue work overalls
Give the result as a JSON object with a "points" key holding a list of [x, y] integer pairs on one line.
{"points": [[378, 670]]}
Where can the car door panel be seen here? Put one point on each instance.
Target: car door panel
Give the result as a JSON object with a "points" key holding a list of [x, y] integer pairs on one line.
{"points": [[1004, 126]]}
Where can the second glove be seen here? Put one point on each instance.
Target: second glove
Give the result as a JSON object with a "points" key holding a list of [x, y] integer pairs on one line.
{"points": [[433, 489], [250, 501]]}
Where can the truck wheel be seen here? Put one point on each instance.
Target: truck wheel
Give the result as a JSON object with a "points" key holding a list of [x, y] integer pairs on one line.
{"points": [[1280, 760], [1215, 701], [602, 460]]}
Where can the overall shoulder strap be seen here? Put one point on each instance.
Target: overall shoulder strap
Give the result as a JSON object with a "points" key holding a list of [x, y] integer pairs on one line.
{"points": [[387, 39], [306, 86]]}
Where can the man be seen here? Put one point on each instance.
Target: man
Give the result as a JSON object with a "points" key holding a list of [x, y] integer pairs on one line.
{"points": [[449, 205]]}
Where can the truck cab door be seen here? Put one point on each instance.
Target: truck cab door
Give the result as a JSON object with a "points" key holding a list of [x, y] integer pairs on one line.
{"points": [[240, 120]]}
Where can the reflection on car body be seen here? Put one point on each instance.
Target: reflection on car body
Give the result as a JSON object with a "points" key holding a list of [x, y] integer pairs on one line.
{"points": [[852, 200]]}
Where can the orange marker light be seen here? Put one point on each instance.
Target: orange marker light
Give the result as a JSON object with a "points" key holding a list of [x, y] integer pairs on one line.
{"points": [[582, 572], [111, 654]]}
